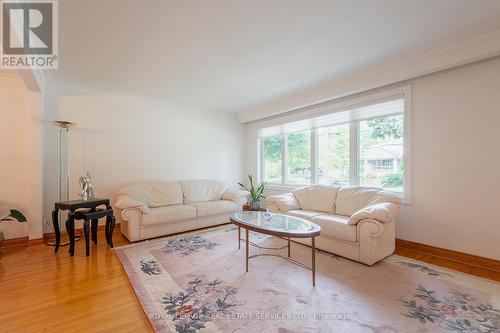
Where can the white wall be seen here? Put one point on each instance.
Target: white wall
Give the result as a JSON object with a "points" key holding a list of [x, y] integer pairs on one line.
{"points": [[456, 120], [121, 140], [456, 174], [21, 122]]}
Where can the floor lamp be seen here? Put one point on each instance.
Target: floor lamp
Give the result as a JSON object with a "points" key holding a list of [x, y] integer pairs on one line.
{"points": [[64, 127]]}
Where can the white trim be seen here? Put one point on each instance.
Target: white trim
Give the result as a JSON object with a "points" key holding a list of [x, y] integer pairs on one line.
{"points": [[284, 159], [470, 50], [407, 147], [354, 153], [260, 159], [314, 156], [332, 107], [282, 187]]}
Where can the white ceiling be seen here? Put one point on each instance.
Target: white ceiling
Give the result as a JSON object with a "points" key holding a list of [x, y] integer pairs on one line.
{"points": [[231, 55]]}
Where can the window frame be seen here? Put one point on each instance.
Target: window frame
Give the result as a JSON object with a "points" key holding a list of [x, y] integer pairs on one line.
{"points": [[354, 153]]}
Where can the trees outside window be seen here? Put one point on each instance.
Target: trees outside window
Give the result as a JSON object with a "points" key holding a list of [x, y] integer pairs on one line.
{"points": [[333, 155], [272, 159], [381, 153], [299, 158]]}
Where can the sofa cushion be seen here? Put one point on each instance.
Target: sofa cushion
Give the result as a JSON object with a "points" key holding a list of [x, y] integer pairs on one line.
{"points": [[235, 194], [336, 226], [202, 190], [350, 199], [205, 208], [125, 201], [317, 197], [154, 194], [284, 202], [304, 214], [168, 214]]}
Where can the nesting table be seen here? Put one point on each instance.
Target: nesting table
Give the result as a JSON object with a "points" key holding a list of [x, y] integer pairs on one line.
{"points": [[77, 210]]}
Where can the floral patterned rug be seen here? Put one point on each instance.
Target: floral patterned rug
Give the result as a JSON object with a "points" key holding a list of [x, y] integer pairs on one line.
{"points": [[197, 283]]}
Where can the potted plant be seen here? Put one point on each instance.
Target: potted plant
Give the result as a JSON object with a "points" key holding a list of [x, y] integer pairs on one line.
{"points": [[13, 215], [256, 193]]}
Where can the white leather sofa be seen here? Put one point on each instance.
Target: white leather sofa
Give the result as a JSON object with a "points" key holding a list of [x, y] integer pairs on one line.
{"points": [[356, 222], [152, 209]]}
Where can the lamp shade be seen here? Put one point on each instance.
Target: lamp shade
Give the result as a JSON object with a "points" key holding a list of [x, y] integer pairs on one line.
{"points": [[63, 123]]}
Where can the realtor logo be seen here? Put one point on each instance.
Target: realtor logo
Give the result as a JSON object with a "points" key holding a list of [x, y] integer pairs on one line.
{"points": [[29, 34]]}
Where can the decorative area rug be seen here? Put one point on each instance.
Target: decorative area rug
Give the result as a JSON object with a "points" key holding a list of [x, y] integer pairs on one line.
{"points": [[197, 283]]}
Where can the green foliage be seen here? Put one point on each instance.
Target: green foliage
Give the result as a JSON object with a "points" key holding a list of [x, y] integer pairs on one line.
{"points": [[15, 215], [336, 148], [272, 158], [299, 150], [255, 192], [299, 154], [338, 151], [387, 127], [272, 149], [392, 180]]}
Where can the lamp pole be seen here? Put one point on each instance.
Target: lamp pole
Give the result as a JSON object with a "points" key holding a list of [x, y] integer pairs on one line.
{"points": [[64, 127]]}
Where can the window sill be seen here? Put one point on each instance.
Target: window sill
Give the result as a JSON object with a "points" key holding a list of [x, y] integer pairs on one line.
{"points": [[272, 186]]}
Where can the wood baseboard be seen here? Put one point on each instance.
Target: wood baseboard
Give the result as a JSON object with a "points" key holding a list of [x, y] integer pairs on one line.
{"points": [[15, 241], [449, 255], [22, 241], [25, 241]]}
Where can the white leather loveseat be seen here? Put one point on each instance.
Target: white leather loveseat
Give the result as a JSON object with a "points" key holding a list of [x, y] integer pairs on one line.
{"points": [[356, 222], [152, 209]]}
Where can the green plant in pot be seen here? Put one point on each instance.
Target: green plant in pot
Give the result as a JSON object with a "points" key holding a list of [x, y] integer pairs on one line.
{"points": [[256, 193], [13, 215]]}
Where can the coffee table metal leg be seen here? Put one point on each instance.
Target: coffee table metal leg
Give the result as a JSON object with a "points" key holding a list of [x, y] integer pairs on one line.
{"points": [[288, 247], [247, 247], [239, 235], [313, 247]]}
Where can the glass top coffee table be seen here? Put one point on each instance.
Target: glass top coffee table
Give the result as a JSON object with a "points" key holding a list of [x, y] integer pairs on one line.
{"points": [[278, 225]]}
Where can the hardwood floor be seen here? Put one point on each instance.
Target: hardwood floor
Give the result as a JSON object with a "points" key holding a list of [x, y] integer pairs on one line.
{"points": [[46, 292], [478, 266]]}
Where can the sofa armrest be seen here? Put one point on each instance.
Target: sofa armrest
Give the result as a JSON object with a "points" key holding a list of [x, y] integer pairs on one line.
{"points": [[125, 202], [236, 195], [376, 240], [382, 212], [130, 223], [282, 203]]}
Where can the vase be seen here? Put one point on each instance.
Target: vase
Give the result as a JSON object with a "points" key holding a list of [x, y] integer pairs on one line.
{"points": [[255, 205]]}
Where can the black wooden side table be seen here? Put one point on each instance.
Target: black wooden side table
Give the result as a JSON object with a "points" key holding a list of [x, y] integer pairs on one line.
{"points": [[90, 217], [72, 206]]}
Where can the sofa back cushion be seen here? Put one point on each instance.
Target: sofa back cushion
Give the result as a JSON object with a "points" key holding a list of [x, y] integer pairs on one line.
{"points": [[350, 199], [203, 190], [319, 198], [155, 194]]}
